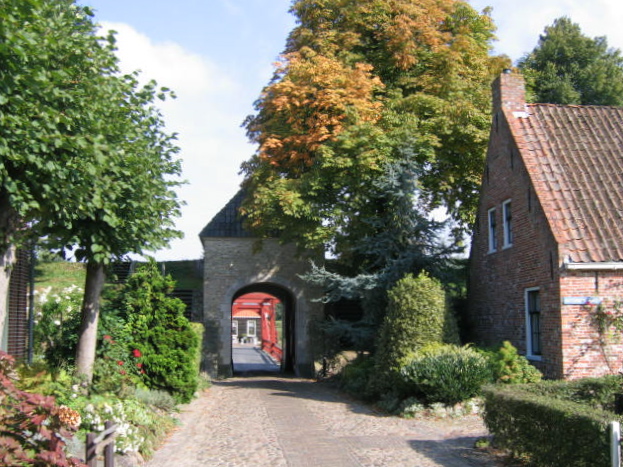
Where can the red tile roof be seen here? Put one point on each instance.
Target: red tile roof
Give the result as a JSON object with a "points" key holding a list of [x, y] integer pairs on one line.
{"points": [[574, 155]]}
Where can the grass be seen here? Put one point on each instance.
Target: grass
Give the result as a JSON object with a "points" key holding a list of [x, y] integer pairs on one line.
{"points": [[62, 274], [59, 275]]}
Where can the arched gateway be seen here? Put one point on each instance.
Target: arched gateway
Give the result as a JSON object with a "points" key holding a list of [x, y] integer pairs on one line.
{"points": [[233, 268]]}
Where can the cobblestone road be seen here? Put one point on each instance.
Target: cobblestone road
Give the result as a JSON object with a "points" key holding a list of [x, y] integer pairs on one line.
{"points": [[275, 421]]}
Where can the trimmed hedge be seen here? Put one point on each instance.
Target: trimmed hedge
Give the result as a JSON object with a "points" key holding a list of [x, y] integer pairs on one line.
{"points": [[549, 431], [599, 393]]}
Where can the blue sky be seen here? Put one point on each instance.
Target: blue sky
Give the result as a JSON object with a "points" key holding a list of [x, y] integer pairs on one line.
{"points": [[218, 54]]}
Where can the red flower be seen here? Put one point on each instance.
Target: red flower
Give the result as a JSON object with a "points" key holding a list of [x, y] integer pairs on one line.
{"points": [[119, 362], [139, 365], [122, 372], [107, 337], [137, 353]]}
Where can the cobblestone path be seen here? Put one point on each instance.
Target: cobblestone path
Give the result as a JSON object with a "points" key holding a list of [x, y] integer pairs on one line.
{"points": [[276, 421]]}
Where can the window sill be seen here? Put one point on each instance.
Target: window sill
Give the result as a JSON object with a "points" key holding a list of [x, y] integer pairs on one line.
{"points": [[534, 358]]}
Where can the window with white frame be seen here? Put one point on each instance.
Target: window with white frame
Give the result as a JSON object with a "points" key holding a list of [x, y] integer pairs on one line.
{"points": [[533, 323], [507, 218], [234, 327], [251, 329], [493, 245]]}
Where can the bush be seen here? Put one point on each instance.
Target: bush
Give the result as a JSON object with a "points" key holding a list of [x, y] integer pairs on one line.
{"points": [[33, 429], [415, 318], [598, 393], [511, 368], [354, 377], [448, 374], [57, 325], [140, 428], [162, 343], [546, 431]]}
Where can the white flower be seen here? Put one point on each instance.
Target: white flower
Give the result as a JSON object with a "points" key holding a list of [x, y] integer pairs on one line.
{"points": [[57, 322]]}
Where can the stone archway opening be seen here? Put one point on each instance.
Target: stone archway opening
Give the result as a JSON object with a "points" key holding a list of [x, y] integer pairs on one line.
{"points": [[263, 329]]}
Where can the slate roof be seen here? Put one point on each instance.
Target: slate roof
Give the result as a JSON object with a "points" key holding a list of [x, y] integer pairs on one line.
{"points": [[574, 155], [228, 222]]}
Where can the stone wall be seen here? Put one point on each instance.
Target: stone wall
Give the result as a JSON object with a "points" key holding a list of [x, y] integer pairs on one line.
{"points": [[233, 264]]}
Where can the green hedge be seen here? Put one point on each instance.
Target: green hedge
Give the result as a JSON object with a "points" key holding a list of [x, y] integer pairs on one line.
{"points": [[548, 431], [599, 393], [198, 330]]}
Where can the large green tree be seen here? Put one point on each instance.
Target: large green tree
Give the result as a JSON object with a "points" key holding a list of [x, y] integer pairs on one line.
{"points": [[568, 67], [359, 82], [85, 158], [49, 68]]}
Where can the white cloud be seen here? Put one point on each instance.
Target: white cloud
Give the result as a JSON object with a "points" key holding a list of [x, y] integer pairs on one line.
{"points": [[520, 23], [207, 115]]}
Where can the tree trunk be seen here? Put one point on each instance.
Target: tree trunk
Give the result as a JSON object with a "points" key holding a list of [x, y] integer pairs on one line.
{"points": [[87, 342]]}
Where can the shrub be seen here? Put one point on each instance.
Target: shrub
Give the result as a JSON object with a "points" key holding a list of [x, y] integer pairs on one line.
{"points": [[162, 344], [140, 428], [415, 318], [448, 374], [546, 431], [354, 377], [57, 325], [161, 400], [33, 429], [599, 393], [511, 368]]}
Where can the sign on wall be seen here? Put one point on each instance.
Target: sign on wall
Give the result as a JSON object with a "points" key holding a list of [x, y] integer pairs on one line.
{"points": [[581, 300]]}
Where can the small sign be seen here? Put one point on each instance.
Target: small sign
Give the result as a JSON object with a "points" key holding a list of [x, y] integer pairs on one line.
{"points": [[581, 300]]}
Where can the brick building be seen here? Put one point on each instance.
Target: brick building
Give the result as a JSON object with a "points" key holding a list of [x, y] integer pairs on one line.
{"points": [[547, 248]]}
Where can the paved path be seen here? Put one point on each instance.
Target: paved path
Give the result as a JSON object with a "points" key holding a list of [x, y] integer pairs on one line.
{"points": [[250, 359], [273, 421]]}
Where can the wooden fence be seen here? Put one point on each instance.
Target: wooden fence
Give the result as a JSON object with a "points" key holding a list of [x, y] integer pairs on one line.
{"points": [[104, 441]]}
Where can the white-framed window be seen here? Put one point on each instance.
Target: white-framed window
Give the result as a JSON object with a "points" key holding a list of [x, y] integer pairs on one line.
{"points": [[493, 244], [507, 219], [533, 323], [251, 328], [234, 327]]}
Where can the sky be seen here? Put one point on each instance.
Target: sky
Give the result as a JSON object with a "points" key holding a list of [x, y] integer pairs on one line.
{"points": [[217, 55]]}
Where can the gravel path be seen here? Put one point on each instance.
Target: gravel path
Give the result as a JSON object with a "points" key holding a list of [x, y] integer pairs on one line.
{"points": [[273, 421]]}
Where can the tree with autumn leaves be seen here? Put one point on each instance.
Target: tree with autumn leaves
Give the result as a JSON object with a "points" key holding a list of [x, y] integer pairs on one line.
{"points": [[360, 82], [378, 112]]}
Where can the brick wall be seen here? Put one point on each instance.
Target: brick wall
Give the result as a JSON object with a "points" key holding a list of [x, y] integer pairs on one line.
{"points": [[571, 344], [498, 280], [586, 351]]}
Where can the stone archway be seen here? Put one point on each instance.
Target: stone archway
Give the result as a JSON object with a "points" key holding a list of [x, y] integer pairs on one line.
{"points": [[232, 265]]}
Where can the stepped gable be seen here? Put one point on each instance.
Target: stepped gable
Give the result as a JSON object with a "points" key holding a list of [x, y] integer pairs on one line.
{"points": [[228, 222]]}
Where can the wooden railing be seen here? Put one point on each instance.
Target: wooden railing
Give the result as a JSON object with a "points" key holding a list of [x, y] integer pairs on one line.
{"points": [[104, 441]]}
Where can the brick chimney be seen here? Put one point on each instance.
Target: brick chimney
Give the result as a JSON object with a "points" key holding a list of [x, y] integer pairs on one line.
{"points": [[509, 92]]}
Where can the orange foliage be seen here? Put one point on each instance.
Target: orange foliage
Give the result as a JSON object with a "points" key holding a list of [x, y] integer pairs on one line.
{"points": [[316, 98]]}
